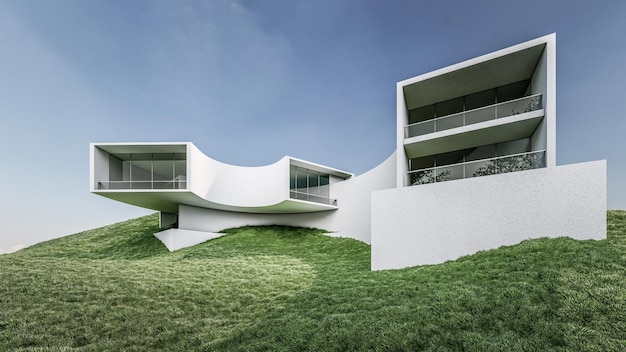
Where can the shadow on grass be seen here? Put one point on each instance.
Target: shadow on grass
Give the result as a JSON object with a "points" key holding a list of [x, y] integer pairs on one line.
{"points": [[546, 294], [293, 289]]}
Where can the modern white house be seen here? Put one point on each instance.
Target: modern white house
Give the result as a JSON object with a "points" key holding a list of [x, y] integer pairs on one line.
{"points": [[475, 169]]}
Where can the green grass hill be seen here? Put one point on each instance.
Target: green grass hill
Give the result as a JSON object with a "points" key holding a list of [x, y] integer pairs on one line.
{"points": [[275, 288]]}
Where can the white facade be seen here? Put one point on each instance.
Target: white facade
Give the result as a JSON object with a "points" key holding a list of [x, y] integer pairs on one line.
{"points": [[493, 116]]}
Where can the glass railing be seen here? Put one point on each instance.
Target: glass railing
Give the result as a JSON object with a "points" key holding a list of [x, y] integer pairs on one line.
{"points": [[476, 168], [115, 185], [312, 197], [491, 112]]}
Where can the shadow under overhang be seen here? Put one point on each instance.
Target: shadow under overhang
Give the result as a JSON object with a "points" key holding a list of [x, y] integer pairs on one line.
{"points": [[169, 200]]}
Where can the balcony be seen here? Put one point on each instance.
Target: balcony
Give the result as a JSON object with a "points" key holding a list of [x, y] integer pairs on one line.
{"points": [[179, 183], [469, 117], [483, 167], [293, 194], [310, 185]]}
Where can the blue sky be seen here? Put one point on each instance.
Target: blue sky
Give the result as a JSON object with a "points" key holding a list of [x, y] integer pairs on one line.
{"points": [[251, 81]]}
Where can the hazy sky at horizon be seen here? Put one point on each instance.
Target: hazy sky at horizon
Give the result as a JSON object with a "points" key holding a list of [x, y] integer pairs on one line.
{"points": [[251, 81]]}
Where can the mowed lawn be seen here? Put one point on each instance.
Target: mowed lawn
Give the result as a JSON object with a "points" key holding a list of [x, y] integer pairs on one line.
{"points": [[280, 288]]}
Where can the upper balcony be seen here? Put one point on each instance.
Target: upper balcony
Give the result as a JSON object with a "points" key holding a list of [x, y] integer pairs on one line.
{"points": [[473, 116], [139, 167]]}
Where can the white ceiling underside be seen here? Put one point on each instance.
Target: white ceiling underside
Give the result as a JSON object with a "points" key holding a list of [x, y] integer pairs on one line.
{"points": [[499, 71], [127, 148]]}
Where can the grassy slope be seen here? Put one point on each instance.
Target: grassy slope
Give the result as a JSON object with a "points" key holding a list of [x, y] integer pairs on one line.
{"points": [[278, 288]]}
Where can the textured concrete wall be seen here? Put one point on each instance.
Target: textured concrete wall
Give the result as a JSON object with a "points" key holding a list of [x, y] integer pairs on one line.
{"points": [[430, 224]]}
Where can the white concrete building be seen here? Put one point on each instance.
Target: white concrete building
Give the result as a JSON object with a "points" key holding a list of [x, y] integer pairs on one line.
{"points": [[475, 169]]}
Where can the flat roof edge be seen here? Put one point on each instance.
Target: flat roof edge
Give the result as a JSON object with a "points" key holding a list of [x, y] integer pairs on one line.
{"points": [[138, 143], [545, 40], [319, 167]]}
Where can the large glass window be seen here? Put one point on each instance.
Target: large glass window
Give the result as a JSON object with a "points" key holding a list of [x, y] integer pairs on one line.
{"points": [[480, 99], [147, 171], [422, 114], [472, 108], [163, 169], [309, 185]]}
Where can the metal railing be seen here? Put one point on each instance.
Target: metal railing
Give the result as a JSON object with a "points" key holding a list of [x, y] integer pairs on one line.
{"points": [[170, 184], [486, 113], [312, 197], [476, 168]]}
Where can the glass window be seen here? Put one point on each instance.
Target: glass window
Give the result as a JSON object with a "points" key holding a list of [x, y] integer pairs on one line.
{"points": [[163, 170], [141, 156], [324, 180], [468, 102], [480, 99], [163, 156], [163, 167], [301, 179], [449, 158], [309, 185], [148, 171], [422, 163], [313, 182], [513, 147], [422, 114], [126, 170], [483, 152], [513, 91], [292, 177], [115, 169], [449, 107]]}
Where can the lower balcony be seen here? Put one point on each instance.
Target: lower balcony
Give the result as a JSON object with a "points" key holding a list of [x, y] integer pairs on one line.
{"points": [[476, 168], [312, 197]]}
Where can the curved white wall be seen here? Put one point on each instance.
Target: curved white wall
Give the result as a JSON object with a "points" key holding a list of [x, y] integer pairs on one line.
{"points": [[237, 186], [351, 219]]}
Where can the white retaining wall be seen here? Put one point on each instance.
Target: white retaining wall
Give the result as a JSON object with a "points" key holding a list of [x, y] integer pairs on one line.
{"points": [[433, 223]]}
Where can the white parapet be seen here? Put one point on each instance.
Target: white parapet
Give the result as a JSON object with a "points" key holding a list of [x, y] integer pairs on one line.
{"points": [[433, 223]]}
